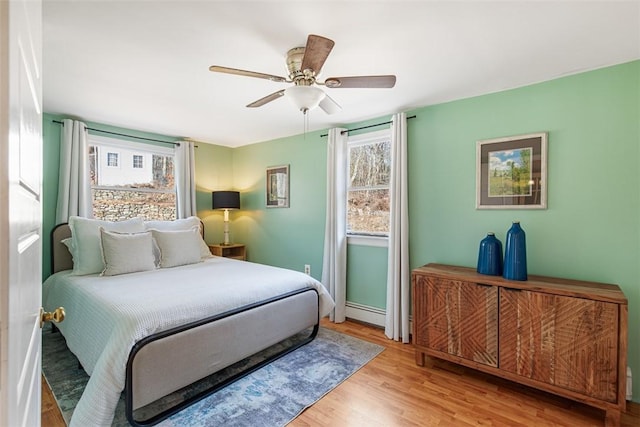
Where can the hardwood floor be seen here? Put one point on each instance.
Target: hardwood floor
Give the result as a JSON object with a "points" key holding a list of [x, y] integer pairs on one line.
{"points": [[51, 416], [392, 390]]}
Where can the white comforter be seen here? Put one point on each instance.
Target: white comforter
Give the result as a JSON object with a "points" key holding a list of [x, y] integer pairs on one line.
{"points": [[107, 315]]}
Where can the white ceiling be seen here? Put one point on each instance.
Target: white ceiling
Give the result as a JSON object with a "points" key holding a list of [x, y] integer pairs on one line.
{"points": [[144, 64]]}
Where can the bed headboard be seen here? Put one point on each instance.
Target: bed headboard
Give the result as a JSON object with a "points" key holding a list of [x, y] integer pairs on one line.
{"points": [[61, 258]]}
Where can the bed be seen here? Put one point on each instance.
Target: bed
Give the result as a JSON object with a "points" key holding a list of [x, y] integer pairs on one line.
{"points": [[155, 331]]}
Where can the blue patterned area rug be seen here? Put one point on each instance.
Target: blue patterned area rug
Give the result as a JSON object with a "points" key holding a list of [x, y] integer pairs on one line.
{"points": [[271, 396]]}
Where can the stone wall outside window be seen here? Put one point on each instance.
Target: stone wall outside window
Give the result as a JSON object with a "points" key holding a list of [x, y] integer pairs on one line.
{"points": [[118, 205]]}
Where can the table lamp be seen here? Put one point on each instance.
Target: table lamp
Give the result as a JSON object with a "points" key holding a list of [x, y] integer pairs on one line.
{"points": [[226, 200]]}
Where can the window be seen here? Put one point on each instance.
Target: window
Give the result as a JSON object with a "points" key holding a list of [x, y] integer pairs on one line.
{"points": [[368, 184], [132, 190], [112, 159], [137, 161]]}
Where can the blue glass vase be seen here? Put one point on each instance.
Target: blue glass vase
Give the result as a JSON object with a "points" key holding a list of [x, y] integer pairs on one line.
{"points": [[515, 254], [490, 256]]}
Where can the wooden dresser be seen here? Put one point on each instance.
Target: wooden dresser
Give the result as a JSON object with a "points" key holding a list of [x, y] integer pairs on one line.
{"points": [[563, 336]]}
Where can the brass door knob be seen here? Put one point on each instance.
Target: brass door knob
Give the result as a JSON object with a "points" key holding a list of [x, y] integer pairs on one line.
{"points": [[56, 316]]}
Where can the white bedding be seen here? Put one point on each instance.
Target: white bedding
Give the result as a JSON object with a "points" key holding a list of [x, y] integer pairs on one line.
{"points": [[106, 316]]}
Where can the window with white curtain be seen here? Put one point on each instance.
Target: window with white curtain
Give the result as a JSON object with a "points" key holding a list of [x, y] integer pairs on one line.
{"points": [[142, 186], [369, 163]]}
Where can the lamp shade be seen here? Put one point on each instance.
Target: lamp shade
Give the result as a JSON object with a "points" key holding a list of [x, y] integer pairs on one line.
{"points": [[226, 199]]}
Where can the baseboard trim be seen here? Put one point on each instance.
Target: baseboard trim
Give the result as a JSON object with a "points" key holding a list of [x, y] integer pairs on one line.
{"points": [[364, 313], [371, 315]]}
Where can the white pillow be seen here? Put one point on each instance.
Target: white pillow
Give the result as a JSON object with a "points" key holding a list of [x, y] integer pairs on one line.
{"points": [[178, 247], [181, 225], [126, 253], [85, 241], [175, 225]]}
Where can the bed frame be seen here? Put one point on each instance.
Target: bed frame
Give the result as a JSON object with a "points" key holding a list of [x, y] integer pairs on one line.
{"points": [[170, 360]]}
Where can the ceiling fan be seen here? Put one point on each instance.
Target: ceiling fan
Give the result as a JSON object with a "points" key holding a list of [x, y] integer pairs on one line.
{"points": [[304, 65]]}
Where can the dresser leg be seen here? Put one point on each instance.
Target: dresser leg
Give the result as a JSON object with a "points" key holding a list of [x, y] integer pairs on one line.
{"points": [[419, 358], [612, 418]]}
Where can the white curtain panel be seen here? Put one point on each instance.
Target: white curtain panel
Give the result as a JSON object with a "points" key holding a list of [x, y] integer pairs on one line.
{"points": [[398, 274], [334, 262], [74, 187], [185, 179]]}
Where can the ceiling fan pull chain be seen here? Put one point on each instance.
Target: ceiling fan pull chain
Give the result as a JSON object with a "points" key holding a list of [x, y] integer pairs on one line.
{"points": [[305, 122]]}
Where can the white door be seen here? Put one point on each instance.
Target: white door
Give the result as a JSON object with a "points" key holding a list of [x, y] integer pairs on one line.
{"points": [[20, 211]]}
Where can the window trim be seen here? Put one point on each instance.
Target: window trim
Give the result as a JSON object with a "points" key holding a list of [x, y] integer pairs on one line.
{"points": [[123, 144], [368, 138], [366, 238]]}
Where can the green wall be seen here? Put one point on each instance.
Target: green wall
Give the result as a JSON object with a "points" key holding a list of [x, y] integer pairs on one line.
{"points": [[590, 231], [286, 237], [214, 171], [51, 165], [591, 227]]}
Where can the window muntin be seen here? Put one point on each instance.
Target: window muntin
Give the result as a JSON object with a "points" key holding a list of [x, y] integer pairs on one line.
{"points": [[137, 161], [112, 159], [369, 158], [147, 191]]}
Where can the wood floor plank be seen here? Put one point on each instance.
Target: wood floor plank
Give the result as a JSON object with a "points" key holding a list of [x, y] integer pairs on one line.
{"points": [[51, 415], [392, 390]]}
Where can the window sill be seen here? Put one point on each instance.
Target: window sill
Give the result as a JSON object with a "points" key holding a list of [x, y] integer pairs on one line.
{"points": [[377, 241]]}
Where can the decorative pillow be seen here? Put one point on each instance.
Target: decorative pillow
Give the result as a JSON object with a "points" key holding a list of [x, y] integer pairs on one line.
{"points": [[178, 247], [126, 253], [181, 225], [85, 241]]}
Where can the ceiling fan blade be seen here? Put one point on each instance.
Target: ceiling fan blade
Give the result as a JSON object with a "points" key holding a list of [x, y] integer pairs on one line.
{"points": [[227, 70], [329, 105], [361, 82], [316, 52], [272, 97]]}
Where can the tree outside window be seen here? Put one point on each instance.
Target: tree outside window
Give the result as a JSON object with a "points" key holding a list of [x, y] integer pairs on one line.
{"points": [[368, 185]]}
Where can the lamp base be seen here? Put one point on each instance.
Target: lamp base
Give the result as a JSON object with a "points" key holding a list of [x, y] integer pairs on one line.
{"points": [[226, 244], [226, 229]]}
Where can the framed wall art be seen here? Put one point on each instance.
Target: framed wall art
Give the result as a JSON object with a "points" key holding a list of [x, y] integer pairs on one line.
{"points": [[278, 186], [511, 172]]}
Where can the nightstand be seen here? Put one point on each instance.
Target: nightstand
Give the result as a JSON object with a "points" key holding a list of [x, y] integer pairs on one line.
{"points": [[234, 250]]}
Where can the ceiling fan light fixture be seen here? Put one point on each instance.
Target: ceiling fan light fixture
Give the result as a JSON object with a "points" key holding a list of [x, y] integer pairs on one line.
{"points": [[305, 98]]}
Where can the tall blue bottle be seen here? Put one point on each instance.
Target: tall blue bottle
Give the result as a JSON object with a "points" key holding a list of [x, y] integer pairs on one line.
{"points": [[515, 254], [490, 256]]}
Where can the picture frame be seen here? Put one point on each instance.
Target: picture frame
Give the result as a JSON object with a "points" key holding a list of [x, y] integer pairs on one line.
{"points": [[277, 187], [511, 172]]}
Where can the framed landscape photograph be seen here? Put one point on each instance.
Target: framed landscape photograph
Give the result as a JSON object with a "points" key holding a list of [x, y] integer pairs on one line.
{"points": [[511, 172], [278, 187]]}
